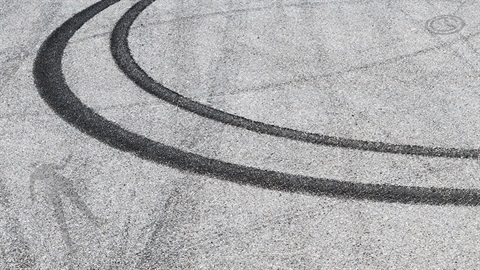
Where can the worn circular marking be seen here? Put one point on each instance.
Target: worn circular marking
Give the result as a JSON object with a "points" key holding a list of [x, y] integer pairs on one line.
{"points": [[445, 24], [52, 87]]}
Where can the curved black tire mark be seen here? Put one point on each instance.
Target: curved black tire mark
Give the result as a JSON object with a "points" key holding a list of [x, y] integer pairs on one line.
{"points": [[54, 90], [121, 53]]}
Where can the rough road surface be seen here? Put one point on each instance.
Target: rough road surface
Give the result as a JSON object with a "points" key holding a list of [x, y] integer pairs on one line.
{"points": [[174, 134]]}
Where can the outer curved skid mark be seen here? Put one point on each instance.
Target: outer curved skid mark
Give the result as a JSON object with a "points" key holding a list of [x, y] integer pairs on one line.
{"points": [[124, 59], [53, 89]]}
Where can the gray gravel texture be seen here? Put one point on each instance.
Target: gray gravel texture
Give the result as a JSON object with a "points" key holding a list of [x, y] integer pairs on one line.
{"points": [[399, 72]]}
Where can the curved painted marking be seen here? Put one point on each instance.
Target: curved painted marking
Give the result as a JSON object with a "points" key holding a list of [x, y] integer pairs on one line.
{"points": [[54, 90], [121, 53]]}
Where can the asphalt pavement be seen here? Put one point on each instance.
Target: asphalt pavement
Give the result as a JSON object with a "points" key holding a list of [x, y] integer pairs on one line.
{"points": [[278, 134]]}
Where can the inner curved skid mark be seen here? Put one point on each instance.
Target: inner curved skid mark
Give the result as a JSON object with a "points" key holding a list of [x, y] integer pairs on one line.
{"points": [[53, 88], [124, 59]]}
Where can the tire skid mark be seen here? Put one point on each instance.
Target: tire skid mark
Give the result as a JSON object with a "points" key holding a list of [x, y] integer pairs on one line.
{"points": [[54, 90], [124, 59]]}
